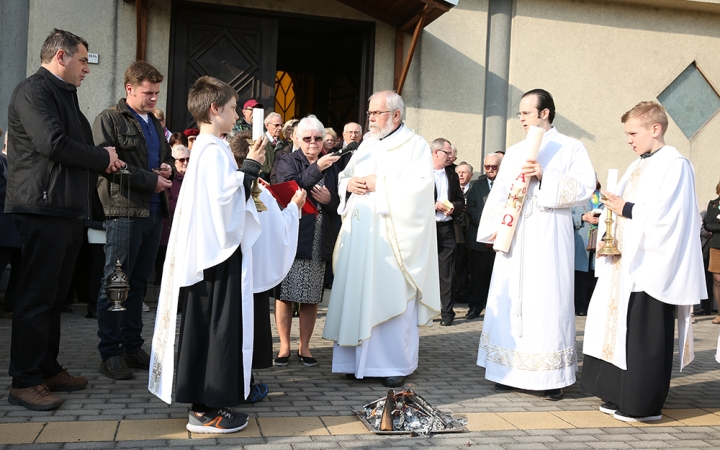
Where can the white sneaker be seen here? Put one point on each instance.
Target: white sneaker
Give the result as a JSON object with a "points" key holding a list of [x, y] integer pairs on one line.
{"points": [[145, 308], [626, 418]]}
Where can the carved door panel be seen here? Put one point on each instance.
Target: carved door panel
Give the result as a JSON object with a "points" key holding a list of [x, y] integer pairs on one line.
{"points": [[238, 49]]}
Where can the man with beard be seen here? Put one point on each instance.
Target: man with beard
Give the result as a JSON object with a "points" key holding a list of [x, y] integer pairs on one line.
{"points": [[386, 263]]}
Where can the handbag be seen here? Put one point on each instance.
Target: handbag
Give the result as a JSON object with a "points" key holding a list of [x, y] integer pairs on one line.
{"points": [[592, 240]]}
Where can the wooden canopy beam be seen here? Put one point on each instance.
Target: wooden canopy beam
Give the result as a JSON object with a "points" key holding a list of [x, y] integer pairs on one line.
{"points": [[411, 50], [141, 13], [141, 9]]}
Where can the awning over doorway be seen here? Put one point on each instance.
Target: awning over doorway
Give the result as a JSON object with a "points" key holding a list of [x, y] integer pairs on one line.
{"points": [[402, 14]]}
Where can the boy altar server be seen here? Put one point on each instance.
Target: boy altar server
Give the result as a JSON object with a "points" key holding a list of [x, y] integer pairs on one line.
{"points": [[210, 268], [630, 322]]}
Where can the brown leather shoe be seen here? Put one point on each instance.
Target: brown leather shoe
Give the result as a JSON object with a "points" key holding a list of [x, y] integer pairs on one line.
{"points": [[65, 382], [36, 398]]}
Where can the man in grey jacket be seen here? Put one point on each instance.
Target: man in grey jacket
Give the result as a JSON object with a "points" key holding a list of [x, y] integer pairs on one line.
{"points": [[52, 169]]}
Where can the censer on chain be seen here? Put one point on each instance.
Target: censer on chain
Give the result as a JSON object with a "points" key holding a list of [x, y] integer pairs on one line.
{"points": [[117, 285]]}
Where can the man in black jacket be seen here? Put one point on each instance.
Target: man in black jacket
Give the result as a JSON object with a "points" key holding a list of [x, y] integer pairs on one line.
{"points": [[482, 256], [52, 170], [449, 205], [134, 205]]}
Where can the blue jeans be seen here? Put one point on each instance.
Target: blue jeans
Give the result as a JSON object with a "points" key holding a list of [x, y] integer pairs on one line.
{"points": [[134, 241]]}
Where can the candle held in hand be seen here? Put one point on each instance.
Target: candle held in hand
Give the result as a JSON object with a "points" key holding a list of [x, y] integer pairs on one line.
{"points": [[611, 180]]}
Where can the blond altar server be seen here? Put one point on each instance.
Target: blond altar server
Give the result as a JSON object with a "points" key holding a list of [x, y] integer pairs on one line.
{"points": [[528, 336], [629, 333], [386, 264]]}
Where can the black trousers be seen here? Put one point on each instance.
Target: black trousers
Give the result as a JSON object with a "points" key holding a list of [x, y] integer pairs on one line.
{"points": [[481, 267], [584, 286], [640, 390], [461, 275], [50, 247], [13, 256], [446, 262]]}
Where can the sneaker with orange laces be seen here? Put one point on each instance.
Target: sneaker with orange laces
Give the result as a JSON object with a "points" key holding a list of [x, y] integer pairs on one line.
{"points": [[223, 420], [36, 398], [65, 382]]}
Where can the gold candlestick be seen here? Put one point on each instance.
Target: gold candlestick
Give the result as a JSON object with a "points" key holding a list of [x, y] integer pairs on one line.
{"points": [[255, 191], [609, 248]]}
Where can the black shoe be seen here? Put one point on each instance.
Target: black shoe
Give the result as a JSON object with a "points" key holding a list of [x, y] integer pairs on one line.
{"points": [[65, 309], [581, 313], [473, 314], [139, 360], [91, 316], [282, 361], [504, 387], [350, 376], [553, 395], [446, 322], [307, 361], [393, 381], [115, 367]]}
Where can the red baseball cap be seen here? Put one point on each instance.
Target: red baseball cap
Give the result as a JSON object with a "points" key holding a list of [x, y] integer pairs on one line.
{"points": [[252, 103], [191, 132]]}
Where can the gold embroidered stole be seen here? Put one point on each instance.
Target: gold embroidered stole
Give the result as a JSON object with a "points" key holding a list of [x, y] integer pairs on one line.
{"points": [[613, 312]]}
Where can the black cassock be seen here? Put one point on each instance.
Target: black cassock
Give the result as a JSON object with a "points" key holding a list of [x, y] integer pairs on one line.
{"points": [[640, 390]]}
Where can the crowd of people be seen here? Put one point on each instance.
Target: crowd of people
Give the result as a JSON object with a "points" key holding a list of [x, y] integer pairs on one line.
{"points": [[401, 234]]}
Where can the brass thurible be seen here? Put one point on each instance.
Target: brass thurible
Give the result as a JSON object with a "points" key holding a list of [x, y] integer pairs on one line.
{"points": [[609, 248]]}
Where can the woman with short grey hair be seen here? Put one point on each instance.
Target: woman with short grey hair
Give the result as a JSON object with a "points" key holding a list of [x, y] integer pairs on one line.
{"points": [[316, 237]]}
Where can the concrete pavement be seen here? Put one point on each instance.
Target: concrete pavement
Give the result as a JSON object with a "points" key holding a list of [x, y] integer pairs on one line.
{"points": [[311, 407]]}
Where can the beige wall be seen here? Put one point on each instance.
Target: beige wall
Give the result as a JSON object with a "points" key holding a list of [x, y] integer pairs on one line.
{"points": [[599, 60], [448, 100]]}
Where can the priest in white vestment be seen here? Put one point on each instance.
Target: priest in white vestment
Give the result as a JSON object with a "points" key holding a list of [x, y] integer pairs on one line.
{"points": [[528, 336], [629, 333], [386, 264]]}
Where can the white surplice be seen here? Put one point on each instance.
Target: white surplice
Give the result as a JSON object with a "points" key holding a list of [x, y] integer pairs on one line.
{"points": [[385, 257], [212, 218], [528, 336], [661, 255]]}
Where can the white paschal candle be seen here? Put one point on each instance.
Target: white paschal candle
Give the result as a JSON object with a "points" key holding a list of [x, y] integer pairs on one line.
{"points": [[611, 180], [518, 189], [258, 118]]}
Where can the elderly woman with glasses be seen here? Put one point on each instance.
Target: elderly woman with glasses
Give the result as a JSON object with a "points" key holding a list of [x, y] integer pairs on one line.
{"points": [[316, 238], [182, 157]]}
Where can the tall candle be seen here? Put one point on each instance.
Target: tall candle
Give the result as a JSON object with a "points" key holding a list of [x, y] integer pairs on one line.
{"points": [[611, 180], [258, 118], [518, 189]]}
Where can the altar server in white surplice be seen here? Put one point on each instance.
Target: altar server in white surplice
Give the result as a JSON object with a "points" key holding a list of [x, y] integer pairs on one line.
{"points": [[386, 261], [629, 333], [210, 268], [528, 336]]}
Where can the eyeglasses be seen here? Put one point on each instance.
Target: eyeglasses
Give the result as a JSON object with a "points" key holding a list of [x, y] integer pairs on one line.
{"points": [[376, 113], [183, 160], [523, 113], [492, 167], [308, 139], [447, 153], [276, 125], [354, 132]]}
